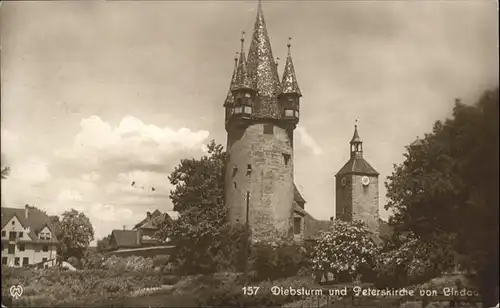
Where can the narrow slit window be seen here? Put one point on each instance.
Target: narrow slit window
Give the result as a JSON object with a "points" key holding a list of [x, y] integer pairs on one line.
{"points": [[268, 129], [249, 169], [286, 157], [235, 169], [234, 184]]}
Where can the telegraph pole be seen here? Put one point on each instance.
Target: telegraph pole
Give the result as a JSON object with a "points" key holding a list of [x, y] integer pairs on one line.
{"points": [[247, 234]]}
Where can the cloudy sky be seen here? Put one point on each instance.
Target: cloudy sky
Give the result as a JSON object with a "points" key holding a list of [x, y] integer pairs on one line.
{"points": [[96, 95]]}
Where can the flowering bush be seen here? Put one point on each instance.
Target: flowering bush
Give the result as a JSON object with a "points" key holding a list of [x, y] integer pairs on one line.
{"points": [[132, 263], [345, 249]]}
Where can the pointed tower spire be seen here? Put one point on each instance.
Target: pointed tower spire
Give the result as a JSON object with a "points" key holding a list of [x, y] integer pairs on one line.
{"points": [[262, 69], [241, 80], [230, 98], [356, 143], [355, 137], [289, 83]]}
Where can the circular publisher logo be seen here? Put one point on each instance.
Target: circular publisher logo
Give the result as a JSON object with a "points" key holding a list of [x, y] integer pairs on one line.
{"points": [[16, 291]]}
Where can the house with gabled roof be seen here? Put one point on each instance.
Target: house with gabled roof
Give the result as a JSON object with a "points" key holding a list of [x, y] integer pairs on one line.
{"points": [[28, 237], [142, 234]]}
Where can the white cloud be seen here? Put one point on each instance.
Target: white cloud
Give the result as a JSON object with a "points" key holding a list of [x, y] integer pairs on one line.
{"points": [[131, 145], [308, 141]]}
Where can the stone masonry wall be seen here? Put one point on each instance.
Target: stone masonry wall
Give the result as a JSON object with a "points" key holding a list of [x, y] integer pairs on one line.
{"points": [[270, 181], [365, 202], [343, 198]]}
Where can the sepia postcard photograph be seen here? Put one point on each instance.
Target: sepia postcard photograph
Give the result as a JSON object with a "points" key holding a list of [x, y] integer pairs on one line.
{"points": [[250, 153]]}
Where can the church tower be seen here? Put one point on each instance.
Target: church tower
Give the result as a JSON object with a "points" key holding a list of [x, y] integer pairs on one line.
{"points": [[261, 116], [357, 195]]}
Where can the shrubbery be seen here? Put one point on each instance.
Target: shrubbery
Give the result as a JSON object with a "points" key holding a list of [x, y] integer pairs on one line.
{"points": [[132, 263], [270, 261], [414, 261], [55, 287]]}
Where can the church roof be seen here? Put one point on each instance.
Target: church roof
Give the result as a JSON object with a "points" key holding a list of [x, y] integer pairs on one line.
{"points": [[263, 71], [357, 165], [289, 84]]}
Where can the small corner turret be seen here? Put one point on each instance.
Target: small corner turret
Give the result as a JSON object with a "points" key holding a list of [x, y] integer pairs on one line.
{"points": [[290, 91]]}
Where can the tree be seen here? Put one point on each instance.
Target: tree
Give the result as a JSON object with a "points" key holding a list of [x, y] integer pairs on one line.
{"points": [[412, 260], [347, 248], [449, 185], [104, 244], [202, 224], [74, 232]]}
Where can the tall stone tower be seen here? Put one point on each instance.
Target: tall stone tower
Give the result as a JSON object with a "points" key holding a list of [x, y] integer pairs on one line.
{"points": [[261, 115], [357, 195]]}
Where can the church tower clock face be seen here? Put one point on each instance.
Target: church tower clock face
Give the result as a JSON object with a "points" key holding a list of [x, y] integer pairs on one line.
{"points": [[365, 181]]}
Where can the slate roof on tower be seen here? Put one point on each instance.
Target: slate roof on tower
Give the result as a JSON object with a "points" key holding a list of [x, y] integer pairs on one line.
{"points": [[357, 165], [242, 80], [230, 98], [263, 71], [289, 84], [355, 137]]}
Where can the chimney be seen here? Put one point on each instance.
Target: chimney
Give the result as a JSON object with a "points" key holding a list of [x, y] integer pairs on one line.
{"points": [[138, 233], [148, 215], [124, 227], [26, 209]]}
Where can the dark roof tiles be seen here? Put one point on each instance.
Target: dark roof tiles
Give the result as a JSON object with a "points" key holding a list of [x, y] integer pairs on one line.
{"points": [[357, 165], [35, 221], [126, 238]]}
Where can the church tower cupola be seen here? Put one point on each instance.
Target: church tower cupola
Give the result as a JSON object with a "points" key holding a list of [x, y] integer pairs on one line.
{"points": [[356, 143], [242, 90], [263, 71], [356, 188], [290, 93]]}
